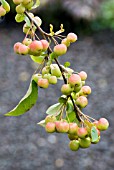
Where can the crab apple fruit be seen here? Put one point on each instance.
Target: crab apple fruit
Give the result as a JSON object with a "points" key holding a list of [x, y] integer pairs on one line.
{"points": [[77, 88], [20, 9], [26, 2], [50, 127], [43, 83], [23, 49], [73, 127], [35, 47], [65, 42], [37, 20], [81, 101], [83, 75], [103, 124], [85, 143], [36, 77], [62, 127], [74, 79], [29, 5], [6, 6], [2, 11], [55, 71], [17, 2], [71, 37], [85, 90], [29, 30], [72, 136], [16, 47], [74, 145], [50, 119], [47, 76], [45, 44], [82, 132], [53, 80], [27, 41], [60, 49], [46, 70], [66, 89]]}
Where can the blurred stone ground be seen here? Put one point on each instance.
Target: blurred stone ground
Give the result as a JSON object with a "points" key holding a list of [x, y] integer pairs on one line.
{"points": [[26, 146]]}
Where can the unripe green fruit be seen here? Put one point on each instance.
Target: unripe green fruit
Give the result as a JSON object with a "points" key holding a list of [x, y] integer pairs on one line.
{"points": [[35, 47], [60, 49], [17, 2], [50, 119], [45, 44], [77, 88], [74, 80], [85, 143], [19, 17], [47, 76], [74, 145], [37, 59], [29, 5], [20, 9], [62, 127], [6, 6], [73, 127], [71, 37], [81, 101], [85, 90], [66, 89], [72, 136], [28, 30], [82, 132], [50, 127], [26, 2], [2, 11], [46, 70], [65, 42], [103, 124], [23, 49], [83, 75], [43, 83], [53, 80], [55, 71], [16, 47], [36, 77], [27, 41], [37, 20]]}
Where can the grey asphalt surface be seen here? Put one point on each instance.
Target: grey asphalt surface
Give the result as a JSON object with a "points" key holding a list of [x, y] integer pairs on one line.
{"points": [[26, 146]]}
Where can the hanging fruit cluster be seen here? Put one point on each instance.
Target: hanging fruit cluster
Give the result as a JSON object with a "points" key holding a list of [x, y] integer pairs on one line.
{"points": [[66, 116]]}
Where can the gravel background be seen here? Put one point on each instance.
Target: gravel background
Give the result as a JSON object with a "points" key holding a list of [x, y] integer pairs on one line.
{"points": [[26, 146]]}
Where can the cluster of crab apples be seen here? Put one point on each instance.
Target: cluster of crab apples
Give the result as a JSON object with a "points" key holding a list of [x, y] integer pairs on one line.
{"points": [[4, 8], [80, 137], [23, 5]]}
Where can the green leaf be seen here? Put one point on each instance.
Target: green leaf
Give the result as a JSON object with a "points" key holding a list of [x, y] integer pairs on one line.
{"points": [[37, 3], [27, 102], [69, 107], [53, 56], [27, 21], [94, 134], [67, 64], [71, 117], [63, 99], [41, 123], [54, 109]]}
